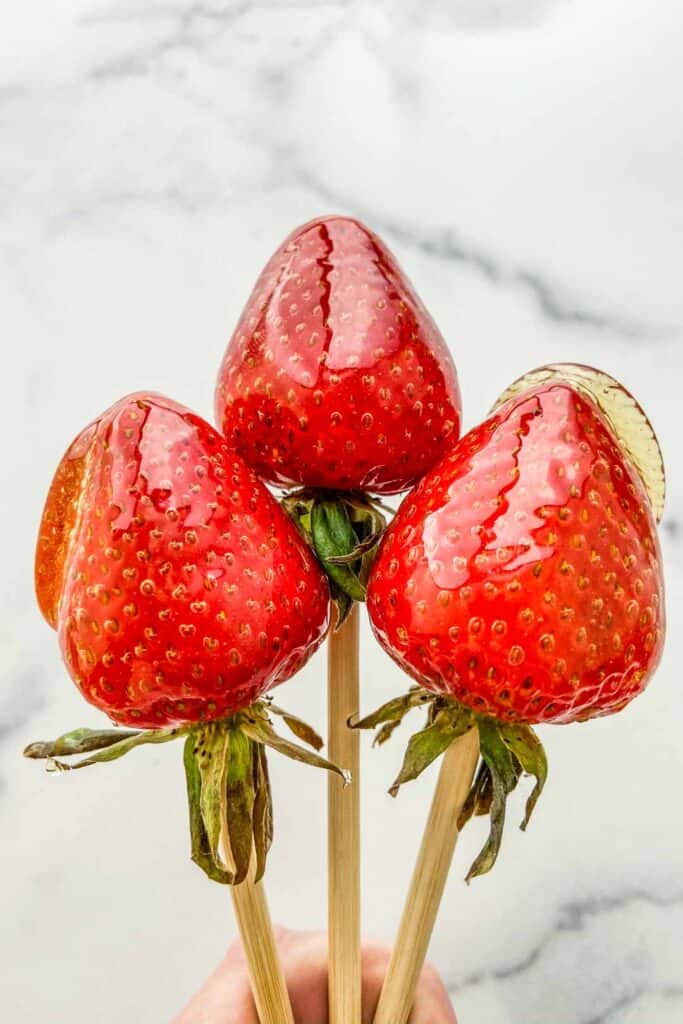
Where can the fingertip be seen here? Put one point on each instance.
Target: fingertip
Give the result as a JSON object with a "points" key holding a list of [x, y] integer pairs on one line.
{"points": [[304, 961], [430, 977], [225, 995], [432, 1002], [234, 954], [374, 963]]}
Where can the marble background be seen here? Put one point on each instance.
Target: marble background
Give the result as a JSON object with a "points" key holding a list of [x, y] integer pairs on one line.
{"points": [[524, 158]]}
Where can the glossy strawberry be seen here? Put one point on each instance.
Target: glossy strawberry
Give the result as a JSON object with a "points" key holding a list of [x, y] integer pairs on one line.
{"points": [[180, 589], [336, 376], [523, 576]]}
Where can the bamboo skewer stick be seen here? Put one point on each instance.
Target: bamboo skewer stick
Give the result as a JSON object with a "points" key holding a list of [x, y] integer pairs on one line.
{"points": [[344, 827], [265, 970], [428, 881]]}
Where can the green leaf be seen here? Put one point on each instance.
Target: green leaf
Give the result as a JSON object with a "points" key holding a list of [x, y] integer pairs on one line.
{"points": [[528, 749], [259, 729], [343, 605], [485, 796], [200, 846], [78, 741], [333, 535], [239, 800], [212, 752], [297, 505], [113, 751], [367, 515], [385, 732], [340, 532], [475, 797], [344, 529], [302, 730], [504, 773], [425, 746], [263, 809], [361, 548], [393, 712]]}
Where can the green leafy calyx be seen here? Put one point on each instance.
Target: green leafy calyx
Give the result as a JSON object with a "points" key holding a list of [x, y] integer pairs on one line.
{"points": [[508, 750], [231, 813], [344, 530]]}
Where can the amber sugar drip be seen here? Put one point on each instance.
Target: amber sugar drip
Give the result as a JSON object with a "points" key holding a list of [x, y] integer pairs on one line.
{"points": [[59, 524]]}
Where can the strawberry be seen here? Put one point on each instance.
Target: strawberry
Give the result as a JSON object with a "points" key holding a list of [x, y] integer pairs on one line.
{"points": [[336, 376], [181, 592], [522, 578], [180, 589]]}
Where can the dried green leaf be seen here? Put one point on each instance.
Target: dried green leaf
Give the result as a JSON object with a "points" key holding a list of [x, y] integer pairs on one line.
{"points": [[78, 741], [394, 711], [259, 729], [482, 783], [343, 605], [262, 815], [212, 751], [423, 748], [200, 846], [525, 745], [366, 514], [239, 789], [297, 505], [503, 775], [111, 752], [302, 730], [385, 732], [484, 797], [506, 752]]}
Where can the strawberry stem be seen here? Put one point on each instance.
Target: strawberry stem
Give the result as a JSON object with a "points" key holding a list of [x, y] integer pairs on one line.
{"points": [[344, 530], [507, 752], [226, 772]]}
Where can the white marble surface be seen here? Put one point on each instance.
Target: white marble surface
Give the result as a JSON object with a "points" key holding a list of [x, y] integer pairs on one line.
{"points": [[524, 158]]}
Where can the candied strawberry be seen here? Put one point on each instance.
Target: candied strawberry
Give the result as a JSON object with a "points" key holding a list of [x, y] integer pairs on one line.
{"points": [[523, 576], [521, 582], [180, 589], [336, 376]]}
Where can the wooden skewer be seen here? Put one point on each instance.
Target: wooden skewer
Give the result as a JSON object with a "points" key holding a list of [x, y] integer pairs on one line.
{"points": [[265, 970], [344, 827], [429, 878]]}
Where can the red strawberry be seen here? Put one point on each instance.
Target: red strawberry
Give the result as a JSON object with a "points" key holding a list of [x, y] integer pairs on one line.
{"points": [[336, 376], [522, 579], [180, 589], [181, 592], [523, 576]]}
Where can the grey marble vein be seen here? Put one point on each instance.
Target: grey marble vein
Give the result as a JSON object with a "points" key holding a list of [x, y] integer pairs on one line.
{"points": [[479, 15], [447, 245], [622, 1002], [672, 527], [195, 26], [573, 917], [628, 988], [630, 1000], [191, 27]]}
